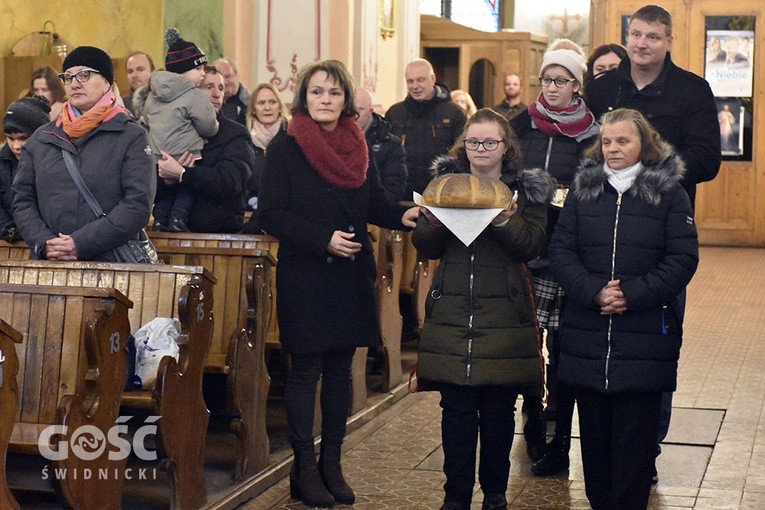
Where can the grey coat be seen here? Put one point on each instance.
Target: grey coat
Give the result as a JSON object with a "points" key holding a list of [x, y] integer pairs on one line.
{"points": [[178, 114], [116, 164]]}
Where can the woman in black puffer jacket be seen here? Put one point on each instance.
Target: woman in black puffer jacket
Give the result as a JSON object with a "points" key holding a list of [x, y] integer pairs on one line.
{"points": [[624, 249]]}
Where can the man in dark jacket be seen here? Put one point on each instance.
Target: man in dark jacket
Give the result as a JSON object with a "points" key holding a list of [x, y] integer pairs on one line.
{"points": [[512, 104], [679, 104], [219, 180], [388, 153], [236, 98], [427, 121]]}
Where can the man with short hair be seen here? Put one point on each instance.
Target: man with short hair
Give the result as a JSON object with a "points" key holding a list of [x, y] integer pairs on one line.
{"points": [[680, 106], [512, 104], [388, 153], [427, 121], [678, 103], [236, 97], [139, 68]]}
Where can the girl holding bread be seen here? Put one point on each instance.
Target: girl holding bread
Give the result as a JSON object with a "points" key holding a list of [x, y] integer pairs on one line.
{"points": [[479, 346]]}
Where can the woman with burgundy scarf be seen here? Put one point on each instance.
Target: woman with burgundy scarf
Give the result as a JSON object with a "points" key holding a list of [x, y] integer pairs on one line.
{"points": [[318, 191], [553, 134], [114, 159]]}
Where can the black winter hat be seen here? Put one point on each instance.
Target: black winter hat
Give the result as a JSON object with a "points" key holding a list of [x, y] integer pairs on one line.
{"points": [[95, 58], [26, 115], [181, 55]]}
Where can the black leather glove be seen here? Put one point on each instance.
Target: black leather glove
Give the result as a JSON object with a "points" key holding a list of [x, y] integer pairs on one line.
{"points": [[10, 233]]}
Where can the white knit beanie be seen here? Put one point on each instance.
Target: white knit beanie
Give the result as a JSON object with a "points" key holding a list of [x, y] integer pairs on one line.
{"points": [[569, 59]]}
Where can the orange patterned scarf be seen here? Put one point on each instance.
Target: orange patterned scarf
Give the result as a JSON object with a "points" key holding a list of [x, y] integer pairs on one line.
{"points": [[77, 127]]}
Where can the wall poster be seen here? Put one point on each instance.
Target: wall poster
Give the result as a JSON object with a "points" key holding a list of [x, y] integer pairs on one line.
{"points": [[729, 62], [731, 117], [729, 59]]}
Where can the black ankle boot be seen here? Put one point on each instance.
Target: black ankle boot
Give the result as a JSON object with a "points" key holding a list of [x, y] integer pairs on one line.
{"points": [[494, 501], [332, 474], [305, 481], [555, 459], [454, 505], [535, 433]]}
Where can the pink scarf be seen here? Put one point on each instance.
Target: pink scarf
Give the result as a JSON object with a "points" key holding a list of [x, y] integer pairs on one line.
{"points": [[574, 121], [339, 156], [104, 110], [262, 135]]}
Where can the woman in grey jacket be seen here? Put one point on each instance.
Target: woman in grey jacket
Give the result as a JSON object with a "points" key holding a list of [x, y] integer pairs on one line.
{"points": [[114, 159], [480, 343], [624, 249]]}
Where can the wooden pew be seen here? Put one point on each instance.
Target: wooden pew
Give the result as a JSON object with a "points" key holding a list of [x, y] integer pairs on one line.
{"points": [[9, 402], [417, 277], [242, 313], [160, 290], [389, 253], [71, 372], [17, 250]]}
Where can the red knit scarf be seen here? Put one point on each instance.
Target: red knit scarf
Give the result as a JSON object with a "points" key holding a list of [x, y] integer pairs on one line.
{"points": [[572, 120], [339, 156]]}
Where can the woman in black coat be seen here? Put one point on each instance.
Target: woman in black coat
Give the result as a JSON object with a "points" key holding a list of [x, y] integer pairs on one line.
{"points": [[624, 249], [317, 194]]}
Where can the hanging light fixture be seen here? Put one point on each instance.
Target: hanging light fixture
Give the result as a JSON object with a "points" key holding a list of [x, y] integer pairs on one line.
{"points": [[57, 45]]}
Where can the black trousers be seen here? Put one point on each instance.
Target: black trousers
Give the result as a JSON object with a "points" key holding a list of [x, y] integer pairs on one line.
{"points": [[334, 368], [466, 412], [618, 437]]}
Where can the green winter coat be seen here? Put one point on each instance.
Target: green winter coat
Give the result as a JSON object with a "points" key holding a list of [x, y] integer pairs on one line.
{"points": [[480, 327]]}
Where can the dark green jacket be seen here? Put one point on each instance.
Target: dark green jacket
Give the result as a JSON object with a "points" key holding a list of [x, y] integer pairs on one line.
{"points": [[480, 326]]}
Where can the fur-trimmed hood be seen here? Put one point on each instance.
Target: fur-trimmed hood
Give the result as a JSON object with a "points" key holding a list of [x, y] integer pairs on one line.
{"points": [[650, 184], [535, 182]]}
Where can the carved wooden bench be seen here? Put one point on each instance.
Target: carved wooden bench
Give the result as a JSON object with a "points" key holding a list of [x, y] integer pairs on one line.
{"points": [[72, 368], [242, 310], [163, 290], [9, 402], [416, 278], [389, 251]]}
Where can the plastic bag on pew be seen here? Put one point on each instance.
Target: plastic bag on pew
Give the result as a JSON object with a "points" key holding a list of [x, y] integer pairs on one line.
{"points": [[156, 339]]}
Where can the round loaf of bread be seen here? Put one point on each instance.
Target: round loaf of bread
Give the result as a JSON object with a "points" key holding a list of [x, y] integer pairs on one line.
{"points": [[467, 191]]}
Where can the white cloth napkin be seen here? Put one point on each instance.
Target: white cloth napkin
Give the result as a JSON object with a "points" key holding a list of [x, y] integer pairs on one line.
{"points": [[466, 224]]}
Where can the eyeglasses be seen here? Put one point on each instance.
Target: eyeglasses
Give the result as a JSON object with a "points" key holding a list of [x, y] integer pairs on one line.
{"points": [[490, 145], [80, 76], [559, 82]]}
